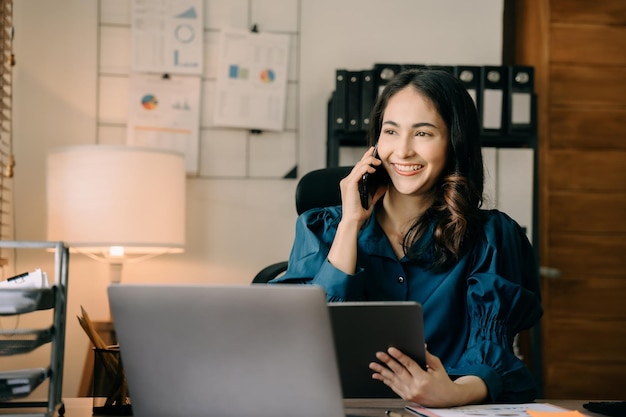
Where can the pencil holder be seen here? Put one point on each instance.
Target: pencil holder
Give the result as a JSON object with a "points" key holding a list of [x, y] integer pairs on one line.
{"points": [[110, 389]]}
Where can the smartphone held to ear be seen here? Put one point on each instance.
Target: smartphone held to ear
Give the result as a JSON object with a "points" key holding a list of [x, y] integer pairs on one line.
{"points": [[371, 182]]}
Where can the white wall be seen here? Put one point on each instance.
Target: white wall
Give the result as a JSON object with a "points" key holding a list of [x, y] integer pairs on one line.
{"points": [[235, 226]]}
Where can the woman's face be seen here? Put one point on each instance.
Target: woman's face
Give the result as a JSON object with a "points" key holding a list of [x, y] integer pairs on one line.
{"points": [[413, 142]]}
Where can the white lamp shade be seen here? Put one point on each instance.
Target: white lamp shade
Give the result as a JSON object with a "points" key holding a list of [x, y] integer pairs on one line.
{"points": [[103, 196]]}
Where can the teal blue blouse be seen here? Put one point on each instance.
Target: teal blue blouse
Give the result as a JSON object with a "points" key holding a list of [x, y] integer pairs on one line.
{"points": [[472, 311]]}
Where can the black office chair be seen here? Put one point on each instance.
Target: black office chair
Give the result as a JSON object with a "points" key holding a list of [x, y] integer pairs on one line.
{"points": [[319, 188]]}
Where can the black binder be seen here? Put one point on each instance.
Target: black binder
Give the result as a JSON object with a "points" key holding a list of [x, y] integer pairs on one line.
{"points": [[494, 99], [340, 101], [471, 77], [368, 97], [521, 114], [353, 121]]}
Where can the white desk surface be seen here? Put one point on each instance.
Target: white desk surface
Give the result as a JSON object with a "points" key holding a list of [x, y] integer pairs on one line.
{"points": [[376, 407]]}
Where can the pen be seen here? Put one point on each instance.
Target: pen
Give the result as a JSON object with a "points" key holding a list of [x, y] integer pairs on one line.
{"points": [[390, 413], [16, 277]]}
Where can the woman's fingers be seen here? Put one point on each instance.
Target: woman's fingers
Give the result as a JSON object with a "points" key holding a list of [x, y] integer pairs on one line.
{"points": [[396, 364], [404, 362], [432, 361]]}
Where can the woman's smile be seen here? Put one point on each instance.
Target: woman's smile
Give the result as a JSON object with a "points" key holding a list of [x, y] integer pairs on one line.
{"points": [[407, 169]]}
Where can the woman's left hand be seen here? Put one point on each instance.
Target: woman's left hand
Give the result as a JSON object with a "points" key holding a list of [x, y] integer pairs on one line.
{"points": [[431, 387]]}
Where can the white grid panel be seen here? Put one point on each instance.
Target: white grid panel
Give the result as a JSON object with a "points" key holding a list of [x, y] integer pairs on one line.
{"points": [[223, 153]]}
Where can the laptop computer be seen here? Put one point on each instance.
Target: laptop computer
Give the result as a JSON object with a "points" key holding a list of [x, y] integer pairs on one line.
{"points": [[363, 328], [228, 351]]}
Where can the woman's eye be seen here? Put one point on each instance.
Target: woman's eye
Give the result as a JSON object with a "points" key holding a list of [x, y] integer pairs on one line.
{"points": [[420, 133], [389, 131]]}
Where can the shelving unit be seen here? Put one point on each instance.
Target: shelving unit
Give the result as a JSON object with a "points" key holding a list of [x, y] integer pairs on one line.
{"points": [[355, 93], [17, 385]]}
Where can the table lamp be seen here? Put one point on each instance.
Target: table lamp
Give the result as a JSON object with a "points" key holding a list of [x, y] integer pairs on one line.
{"points": [[116, 204]]}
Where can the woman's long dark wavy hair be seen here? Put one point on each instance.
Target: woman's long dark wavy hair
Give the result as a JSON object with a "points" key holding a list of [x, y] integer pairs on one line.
{"points": [[458, 193]]}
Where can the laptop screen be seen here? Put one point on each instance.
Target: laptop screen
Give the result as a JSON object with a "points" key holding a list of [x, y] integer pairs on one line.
{"points": [[228, 351]]}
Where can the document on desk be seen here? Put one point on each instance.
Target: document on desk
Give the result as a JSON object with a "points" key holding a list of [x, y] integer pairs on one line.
{"points": [[496, 410]]}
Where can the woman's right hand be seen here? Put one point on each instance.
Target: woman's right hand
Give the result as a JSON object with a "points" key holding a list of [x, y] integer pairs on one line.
{"points": [[349, 186], [343, 251]]}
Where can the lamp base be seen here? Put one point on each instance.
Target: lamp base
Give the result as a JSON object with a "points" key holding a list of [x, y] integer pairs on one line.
{"points": [[115, 272]]}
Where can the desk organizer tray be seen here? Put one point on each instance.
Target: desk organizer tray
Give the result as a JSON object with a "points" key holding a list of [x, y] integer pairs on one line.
{"points": [[18, 301], [20, 341], [16, 384]]}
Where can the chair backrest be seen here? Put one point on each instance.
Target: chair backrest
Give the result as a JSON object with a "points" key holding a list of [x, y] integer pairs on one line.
{"points": [[320, 188]]}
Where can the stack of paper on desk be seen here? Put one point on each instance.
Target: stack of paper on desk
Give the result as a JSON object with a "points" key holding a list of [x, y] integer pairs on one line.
{"points": [[487, 410]]}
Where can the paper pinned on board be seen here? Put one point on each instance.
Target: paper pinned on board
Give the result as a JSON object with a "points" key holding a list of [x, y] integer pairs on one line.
{"points": [[167, 36], [251, 86], [164, 113]]}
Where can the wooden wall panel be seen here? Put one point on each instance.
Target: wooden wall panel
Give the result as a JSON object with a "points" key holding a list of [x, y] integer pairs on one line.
{"points": [[580, 299], [588, 44], [582, 255], [589, 381], [581, 86], [607, 12], [571, 170], [576, 212], [577, 48], [588, 128], [606, 336]]}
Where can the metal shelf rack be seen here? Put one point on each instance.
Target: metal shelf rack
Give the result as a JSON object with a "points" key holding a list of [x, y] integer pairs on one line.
{"points": [[17, 385]]}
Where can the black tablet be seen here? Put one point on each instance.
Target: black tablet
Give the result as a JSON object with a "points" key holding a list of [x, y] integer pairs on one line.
{"points": [[361, 329]]}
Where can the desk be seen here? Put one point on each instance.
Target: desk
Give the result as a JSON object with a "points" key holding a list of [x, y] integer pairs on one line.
{"points": [[376, 407], [81, 407]]}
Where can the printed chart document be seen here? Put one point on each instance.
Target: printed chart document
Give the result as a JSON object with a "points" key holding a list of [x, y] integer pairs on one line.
{"points": [[164, 113], [496, 410], [251, 86], [167, 36]]}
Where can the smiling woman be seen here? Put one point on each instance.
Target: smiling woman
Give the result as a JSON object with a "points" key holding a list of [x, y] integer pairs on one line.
{"points": [[425, 238], [412, 145], [435, 127]]}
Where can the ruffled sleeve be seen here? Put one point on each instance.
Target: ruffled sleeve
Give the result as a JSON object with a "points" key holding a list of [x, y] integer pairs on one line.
{"points": [[503, 298], [308, 263]]}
